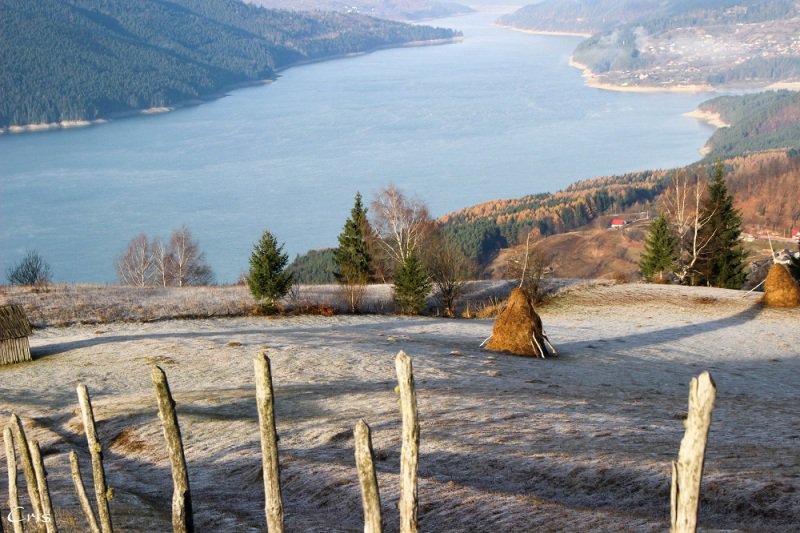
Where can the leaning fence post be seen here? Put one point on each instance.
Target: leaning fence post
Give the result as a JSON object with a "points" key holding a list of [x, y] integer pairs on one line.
{"points": [[409, 454], [365, 463], [27, 464], [13, 498], [96, 453], [182, 519], [687, 471], [81, 491], [265, 400], [48, 516]]}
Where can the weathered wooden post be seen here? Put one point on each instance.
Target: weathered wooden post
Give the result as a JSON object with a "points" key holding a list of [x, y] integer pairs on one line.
{"points": [[365, 463], [265, 400], [101, 491], [409, 454], [687, 471], [81, 491], [182, 518], [27, 464], [13, 499], [47, 516]]}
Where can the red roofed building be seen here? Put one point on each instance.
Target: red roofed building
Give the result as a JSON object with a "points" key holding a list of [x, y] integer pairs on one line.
{"points": [[796, 234], [617, 223]]}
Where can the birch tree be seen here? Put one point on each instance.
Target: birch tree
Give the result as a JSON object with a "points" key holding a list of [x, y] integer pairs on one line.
{"points": [[135, 264]]}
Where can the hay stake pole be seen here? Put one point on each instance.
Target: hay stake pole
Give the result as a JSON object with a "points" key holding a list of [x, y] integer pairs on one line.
{"points": [[96, 453], [27, 463], [81, 491], [365, 463], [409, 454], [265, 400], [47, 516], [182, 518], [687, 471], [13, 499]]}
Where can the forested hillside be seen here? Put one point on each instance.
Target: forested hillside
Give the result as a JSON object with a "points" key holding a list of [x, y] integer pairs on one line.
{"points": [[761, 121], [483, 229], [84, 59], [389, 9]]}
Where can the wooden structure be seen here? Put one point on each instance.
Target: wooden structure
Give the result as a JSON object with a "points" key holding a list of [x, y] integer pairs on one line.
{"points": [[14, 331]]}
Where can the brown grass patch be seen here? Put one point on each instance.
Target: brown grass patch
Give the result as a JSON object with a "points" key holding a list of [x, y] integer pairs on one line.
{"points": [[127, 441]]}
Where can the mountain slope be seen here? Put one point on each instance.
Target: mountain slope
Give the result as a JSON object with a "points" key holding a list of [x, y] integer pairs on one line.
{"points": [[84, 59]]}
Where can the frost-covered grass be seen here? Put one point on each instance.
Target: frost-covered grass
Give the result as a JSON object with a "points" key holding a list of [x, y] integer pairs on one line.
{"points": [[580, 442]]}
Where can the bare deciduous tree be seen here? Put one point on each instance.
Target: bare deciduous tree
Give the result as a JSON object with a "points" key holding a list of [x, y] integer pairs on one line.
{"points": [[449, 269], [32, 269], [400, 222], [135, 264], [188, 263], [146, 263], [682, 205]]}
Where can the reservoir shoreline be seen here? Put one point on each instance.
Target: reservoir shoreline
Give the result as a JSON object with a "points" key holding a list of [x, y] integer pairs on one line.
{"points": [[82, 123]]}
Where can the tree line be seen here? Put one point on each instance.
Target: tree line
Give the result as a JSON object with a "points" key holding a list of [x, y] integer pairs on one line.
{"points": [[397, 243], [696, 236]]}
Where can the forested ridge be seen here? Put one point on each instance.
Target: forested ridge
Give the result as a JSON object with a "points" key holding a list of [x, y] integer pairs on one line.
{"points": [[483, 229], [761, 121], [86, 59]]}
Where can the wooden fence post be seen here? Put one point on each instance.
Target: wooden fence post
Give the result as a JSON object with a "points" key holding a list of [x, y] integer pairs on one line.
{"points": [[409, 454], [13, 499], [182, 518], [81, 491], [27, 464], [687, 471], [365, 463], [265, 400], [96, 453], [47, 516]]}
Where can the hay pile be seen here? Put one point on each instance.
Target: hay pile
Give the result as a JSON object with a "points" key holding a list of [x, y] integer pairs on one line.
{"points": [[518, 329], [780, 288]]}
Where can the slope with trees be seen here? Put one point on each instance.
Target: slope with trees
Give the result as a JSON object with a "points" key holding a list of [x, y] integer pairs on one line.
{"points": [[87, 59], [756, 122], [411, 10]]}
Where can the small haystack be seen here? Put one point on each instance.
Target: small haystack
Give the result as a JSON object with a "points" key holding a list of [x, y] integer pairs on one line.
{"points": [[518, 329], [14, 331], [780, 288]]}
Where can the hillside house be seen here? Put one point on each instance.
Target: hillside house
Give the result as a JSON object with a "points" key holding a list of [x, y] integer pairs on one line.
{"points": [[617, 223], [14, 332], [796, 234]]}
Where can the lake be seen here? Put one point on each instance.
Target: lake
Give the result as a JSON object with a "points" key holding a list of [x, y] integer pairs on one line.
{"points": [[498, 115]]}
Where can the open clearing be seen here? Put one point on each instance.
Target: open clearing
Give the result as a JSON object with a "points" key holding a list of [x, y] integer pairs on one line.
{"points": [[583, 441]]}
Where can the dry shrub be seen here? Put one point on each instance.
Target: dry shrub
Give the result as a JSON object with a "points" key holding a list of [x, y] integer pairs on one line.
{"points": [[516, 328], [490, 309], [706, 300], [780, 289], [315, 309], [620, 278], [127, 441]]}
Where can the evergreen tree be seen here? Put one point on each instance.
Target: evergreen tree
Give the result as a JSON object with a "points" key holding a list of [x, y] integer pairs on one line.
{"points": [[411, 285], [352, 256], [660, 250], [722, 262], [268, 279]]}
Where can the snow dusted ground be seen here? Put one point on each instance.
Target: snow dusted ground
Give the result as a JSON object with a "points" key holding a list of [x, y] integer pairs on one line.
{"points": [[581, 442]]}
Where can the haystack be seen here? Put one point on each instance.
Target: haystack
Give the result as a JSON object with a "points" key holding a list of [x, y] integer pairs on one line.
{"points": [[518, 329], [14, 331], [780, 288]]}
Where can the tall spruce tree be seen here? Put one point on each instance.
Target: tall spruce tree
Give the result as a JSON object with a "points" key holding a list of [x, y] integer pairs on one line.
{"points": [[352, 256], [268, 279], [660, 250], [722, 261], [411, 285]]}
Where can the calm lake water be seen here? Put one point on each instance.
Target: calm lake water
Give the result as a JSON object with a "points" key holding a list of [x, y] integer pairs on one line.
{"points": [[498, 115]]}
